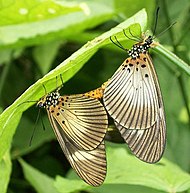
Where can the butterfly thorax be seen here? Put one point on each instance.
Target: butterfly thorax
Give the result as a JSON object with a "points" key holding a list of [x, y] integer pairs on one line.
{"points": [[48, 100], [141, 47]]}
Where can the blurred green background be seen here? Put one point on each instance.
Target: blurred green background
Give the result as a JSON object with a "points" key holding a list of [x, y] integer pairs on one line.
{"points": [[35, 37]]}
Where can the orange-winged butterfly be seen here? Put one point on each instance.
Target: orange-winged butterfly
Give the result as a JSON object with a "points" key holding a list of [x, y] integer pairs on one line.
{"points": [[133, 99], [79, 123]]}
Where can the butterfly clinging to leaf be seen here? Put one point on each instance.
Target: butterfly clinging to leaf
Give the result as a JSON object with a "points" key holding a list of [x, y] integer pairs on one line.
{"points": [[133, 99], [79, 123]]}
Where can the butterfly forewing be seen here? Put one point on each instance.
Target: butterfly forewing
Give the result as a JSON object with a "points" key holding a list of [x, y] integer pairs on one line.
{"points": [[131, 97], [89, 165], [82, 118]]}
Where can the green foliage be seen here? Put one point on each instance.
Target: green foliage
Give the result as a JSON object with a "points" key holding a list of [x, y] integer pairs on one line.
{"points": [[163, 176], [38, 27], [5, 170], [173, 58], [36, 36], [11, 116], [41, 182]]}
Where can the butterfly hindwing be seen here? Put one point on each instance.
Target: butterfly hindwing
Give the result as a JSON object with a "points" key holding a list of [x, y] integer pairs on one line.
{"points": [[146, 144], [89, 165]]}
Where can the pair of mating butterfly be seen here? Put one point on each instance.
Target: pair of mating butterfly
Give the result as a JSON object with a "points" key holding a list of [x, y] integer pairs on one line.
{"points": [[131, 97]]}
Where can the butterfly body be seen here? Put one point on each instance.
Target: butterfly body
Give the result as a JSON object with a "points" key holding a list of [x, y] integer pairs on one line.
{"points": [[140, 48], [97, 93], [133, 99], [49, 100]]}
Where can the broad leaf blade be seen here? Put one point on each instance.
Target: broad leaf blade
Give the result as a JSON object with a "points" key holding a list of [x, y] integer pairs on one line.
{"points": [[41, 182], [128, 170], [54, 28], [9, 119], [163, 175]]}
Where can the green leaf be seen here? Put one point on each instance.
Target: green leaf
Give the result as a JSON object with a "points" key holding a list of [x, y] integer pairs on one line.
{"points": [[24, 11], [121, 188], [41, 182], [22, 137], [64, 185], [5, 172], [56, 28], [45, 54], [128, 170], [9, 119], [164, 175], [124, 11]]}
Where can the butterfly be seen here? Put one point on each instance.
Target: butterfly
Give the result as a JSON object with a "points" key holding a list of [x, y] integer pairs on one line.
{"points": [[133, 99], [79, 123]]}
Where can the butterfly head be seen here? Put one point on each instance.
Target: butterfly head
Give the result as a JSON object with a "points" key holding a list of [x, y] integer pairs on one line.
{"points": [[48, 100], [148, 40], [140, 48]]}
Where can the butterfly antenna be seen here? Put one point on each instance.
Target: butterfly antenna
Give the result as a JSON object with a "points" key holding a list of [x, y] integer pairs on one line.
{"points": [[156, 21], [135, 38], [30, 142], [118, 44], [56, 82], [126, 35], [26, 102], [42, 122], [61, 80], [62, 83], [171, 25], [44, 89]]}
